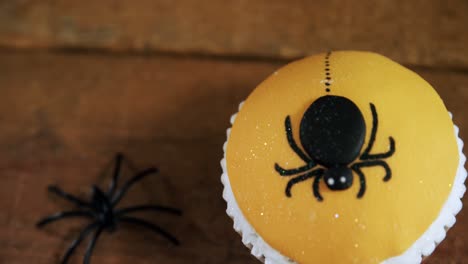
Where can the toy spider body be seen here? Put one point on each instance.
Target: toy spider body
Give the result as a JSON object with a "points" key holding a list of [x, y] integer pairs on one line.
{"points": [[102, 210], [332, 133]]}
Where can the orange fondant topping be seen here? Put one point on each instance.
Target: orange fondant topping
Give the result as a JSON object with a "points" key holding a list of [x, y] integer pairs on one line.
{"points": [[391, 215]]}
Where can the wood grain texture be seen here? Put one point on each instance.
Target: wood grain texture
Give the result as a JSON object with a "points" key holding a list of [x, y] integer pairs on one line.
{"points": [[63, 116], [428, 33]]}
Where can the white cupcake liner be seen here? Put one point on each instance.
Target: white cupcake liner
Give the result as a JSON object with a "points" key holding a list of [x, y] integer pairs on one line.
{"points": [[423, 247]]}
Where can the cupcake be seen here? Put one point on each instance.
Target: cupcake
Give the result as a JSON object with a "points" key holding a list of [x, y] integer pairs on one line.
{"points": [[343, 157]]}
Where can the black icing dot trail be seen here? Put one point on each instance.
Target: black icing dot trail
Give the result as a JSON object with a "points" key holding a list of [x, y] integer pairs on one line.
{"points": [[327, 72]]}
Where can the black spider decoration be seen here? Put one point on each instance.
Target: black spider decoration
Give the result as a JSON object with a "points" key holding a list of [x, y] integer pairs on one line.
{"points": [[332, 133], [102, 209]]}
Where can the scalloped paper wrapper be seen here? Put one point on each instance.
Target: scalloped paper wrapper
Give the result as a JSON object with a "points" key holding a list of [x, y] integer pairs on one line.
{"points": [[420, 249]]}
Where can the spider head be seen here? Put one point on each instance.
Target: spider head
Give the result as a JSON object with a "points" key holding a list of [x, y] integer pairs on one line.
{"points": [[338, 178]]}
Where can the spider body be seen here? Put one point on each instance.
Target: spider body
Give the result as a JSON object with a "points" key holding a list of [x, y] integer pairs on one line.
{"points": [[332, 133], [103, 212]]}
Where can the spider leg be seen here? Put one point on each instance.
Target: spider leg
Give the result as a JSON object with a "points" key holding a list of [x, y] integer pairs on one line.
{"points": [[292, 142], [102, 201], [156, 208], [372, 163], [153, 227], [92, 243], [366, 154], [289, 172], [389, 153], [118, 196], [69, 197], [315, 188], [62, 215], [362, 180], [77, 241], [115, 178], [301, 178]]}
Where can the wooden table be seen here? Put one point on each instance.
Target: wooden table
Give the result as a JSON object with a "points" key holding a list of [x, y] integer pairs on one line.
{"points": [[80, 82]]}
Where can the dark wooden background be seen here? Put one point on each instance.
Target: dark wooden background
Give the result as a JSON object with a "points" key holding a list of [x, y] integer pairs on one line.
{"points": [[158, 80]]}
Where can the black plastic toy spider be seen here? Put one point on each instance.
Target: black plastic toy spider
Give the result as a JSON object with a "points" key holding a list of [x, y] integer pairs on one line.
{"points": [[332, 133], [102, 210]]}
